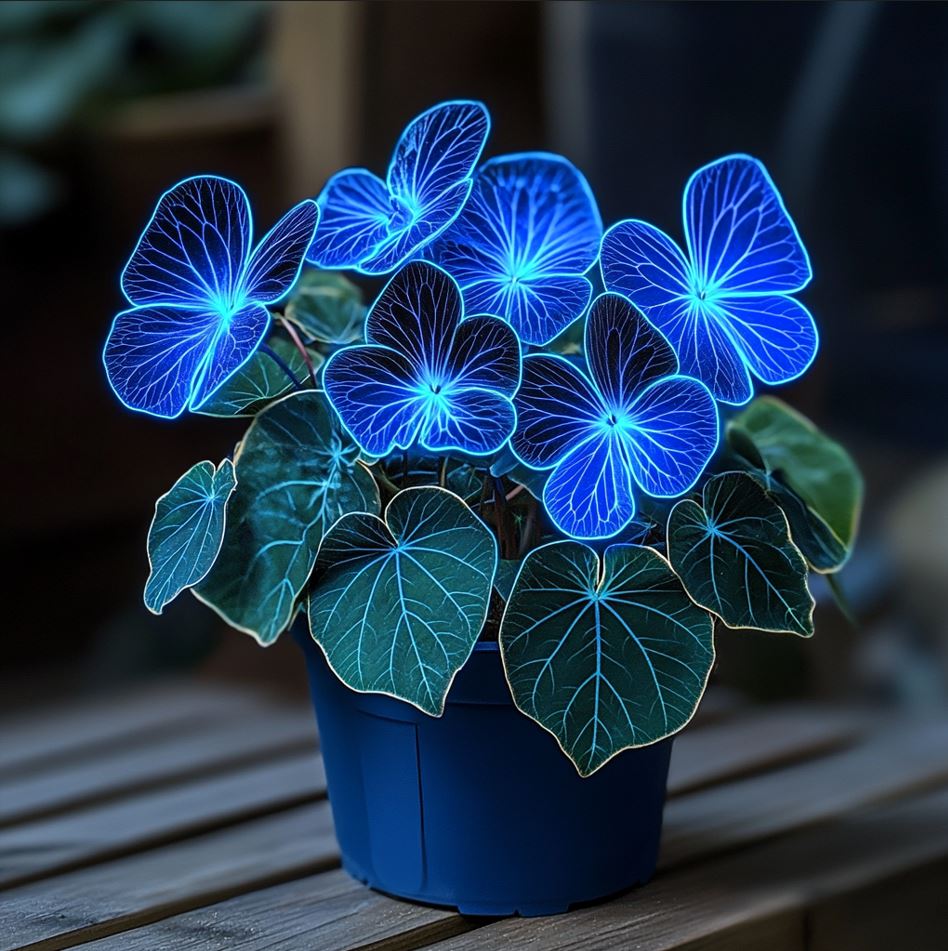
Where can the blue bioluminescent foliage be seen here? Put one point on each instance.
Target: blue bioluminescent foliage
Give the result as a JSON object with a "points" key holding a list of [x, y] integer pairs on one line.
{"points": [[199, 294], [725, 308], [526, 237], [426, 375], [374, 226], [633, 419]]}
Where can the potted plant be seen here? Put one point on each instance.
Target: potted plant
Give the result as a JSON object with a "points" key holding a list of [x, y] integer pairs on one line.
{"points": [[497, 499]]}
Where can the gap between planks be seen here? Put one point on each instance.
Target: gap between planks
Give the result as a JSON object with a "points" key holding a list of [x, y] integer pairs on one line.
{"points": [[779, 889], [94, 884]]}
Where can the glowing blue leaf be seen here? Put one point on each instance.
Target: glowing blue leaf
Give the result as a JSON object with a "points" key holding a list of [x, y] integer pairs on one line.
{"points": [[635, 420], [605, 656], [741, 239], [426, 375], [526, 236], [186, 532], [356, 209], [275, 264], [672, 432], [624, 352], [645, 264], [398, 604], [589, 493], [557, 407], [375, 226], [734, 556], [725, 311], [297, 473], [200, 295], [421, 228], [776, 335], [193, 250]]}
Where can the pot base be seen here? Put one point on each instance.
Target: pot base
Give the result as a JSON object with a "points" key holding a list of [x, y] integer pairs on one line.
{"points": [[480, 810]]}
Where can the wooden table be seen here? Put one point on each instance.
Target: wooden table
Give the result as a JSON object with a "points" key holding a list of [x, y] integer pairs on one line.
{"points": [[183, 816]]}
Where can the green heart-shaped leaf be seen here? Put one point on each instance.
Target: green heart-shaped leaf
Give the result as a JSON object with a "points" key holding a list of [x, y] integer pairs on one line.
{"points": [[327, 307], [823, 551], [261, 380], [186, 532], [297, 473], [605, 656], [734, 556], [398, 604], [818, 469]]}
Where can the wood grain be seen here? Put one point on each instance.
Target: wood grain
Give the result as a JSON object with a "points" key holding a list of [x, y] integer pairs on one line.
{"points": [[111, 895], [73, 731], [766, 920], [52, 846], [248, 734]]}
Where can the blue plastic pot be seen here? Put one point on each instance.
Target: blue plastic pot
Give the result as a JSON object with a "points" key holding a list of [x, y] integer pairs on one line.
{"points": [[479, 809]]}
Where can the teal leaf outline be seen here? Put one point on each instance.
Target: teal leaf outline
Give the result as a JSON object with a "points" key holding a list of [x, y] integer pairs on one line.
{"points": [[755, 553], [785, 444], [260, 381], [619, 597], [327, 307], [187, 531], [297, 473], [382, 587]]}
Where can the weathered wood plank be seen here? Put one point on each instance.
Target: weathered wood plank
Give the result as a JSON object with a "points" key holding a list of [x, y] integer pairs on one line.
{"points": [[73, 731], [248, 734], [51, 846], [819, 777], [146, 886], [758, 741], [902, 760], [766, 897], [141, 887]]}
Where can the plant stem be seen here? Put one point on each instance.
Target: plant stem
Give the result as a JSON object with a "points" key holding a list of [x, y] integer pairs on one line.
{"points": [[443, 472], [503, 520], [281, 363], [304, 353], [529, 527], [383, 480]]}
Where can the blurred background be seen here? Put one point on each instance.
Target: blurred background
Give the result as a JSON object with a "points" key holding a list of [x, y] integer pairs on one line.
{"points": [[105, 104]]}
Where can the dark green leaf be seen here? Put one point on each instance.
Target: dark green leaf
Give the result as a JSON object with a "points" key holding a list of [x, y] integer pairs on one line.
{"points": [[186, 532], [606, 657], [261, 380], [327, 307], [816, 540], [734, 555], [815, 467], [398, 604], [507, 571], [297, 472]]}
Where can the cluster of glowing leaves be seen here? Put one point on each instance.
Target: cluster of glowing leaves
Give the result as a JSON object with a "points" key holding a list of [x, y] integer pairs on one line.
{"points": [[725, 307], [605, 656], [327, 307], [426, 376], [398, 604], [373, 226], [734, 556], [633, 420], [199, 295], [186, 532], [791, 450], [521, 247], [297, 473], [262, 380]]}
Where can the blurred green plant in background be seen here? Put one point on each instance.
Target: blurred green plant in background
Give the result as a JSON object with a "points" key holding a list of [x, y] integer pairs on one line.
{"points": [[66, 63]]}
